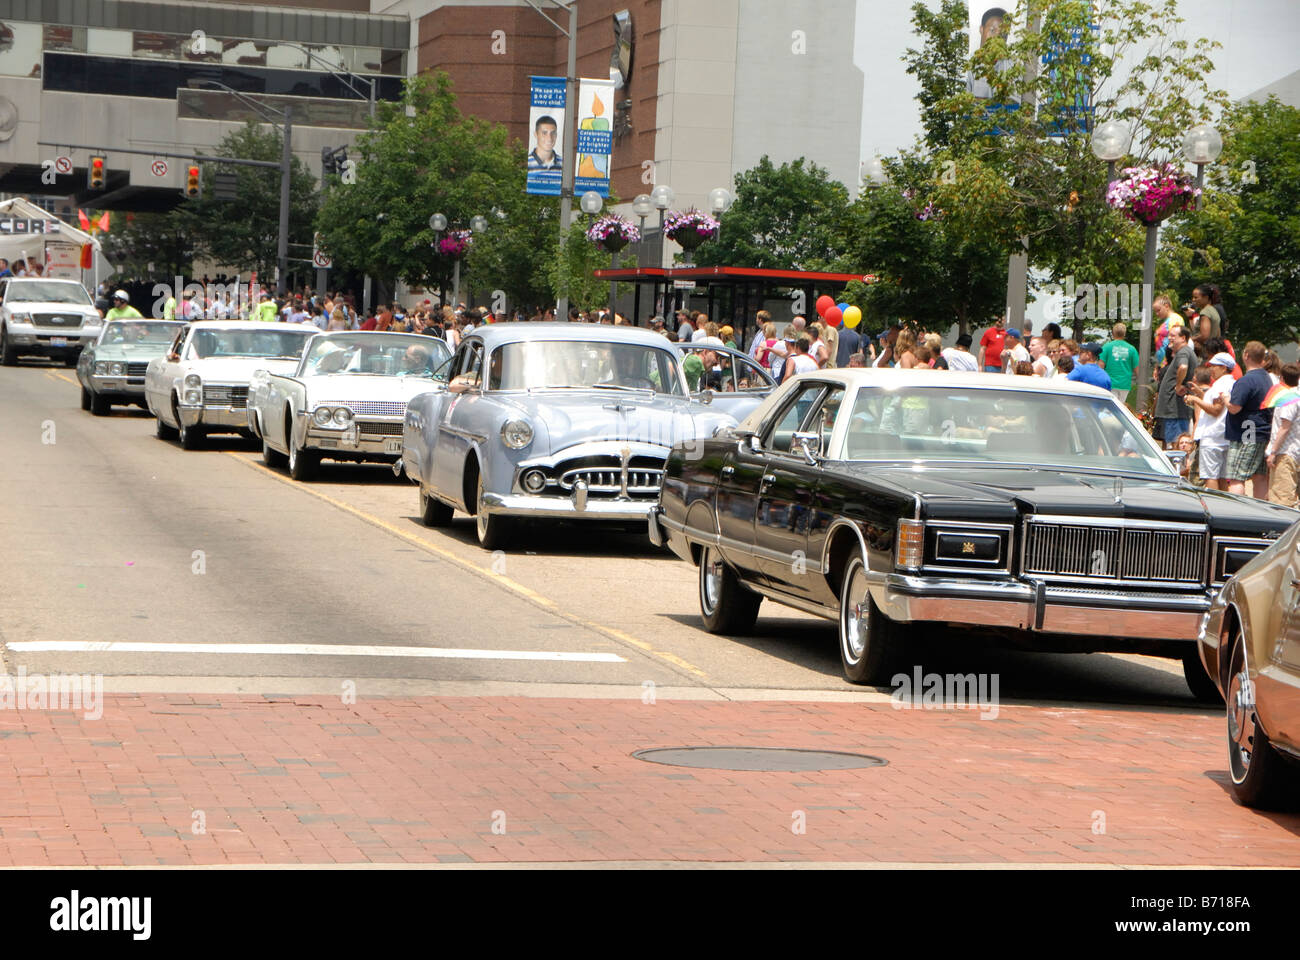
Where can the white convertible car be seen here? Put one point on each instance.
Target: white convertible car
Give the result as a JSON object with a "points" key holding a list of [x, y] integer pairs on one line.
{"points": [[201, 385], [346, 400]]}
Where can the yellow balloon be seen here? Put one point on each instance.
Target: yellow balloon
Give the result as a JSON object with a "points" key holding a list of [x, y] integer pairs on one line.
{"points": [[852, 317]]}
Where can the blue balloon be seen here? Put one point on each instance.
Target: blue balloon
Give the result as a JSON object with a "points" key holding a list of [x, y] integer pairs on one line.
{"points": [[843, 306]]}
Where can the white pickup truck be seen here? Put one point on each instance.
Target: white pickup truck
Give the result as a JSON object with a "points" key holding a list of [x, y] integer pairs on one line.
{"points": [[41, 317]]}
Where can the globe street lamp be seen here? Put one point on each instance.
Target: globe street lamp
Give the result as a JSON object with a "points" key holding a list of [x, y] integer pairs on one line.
{"points": [[591, 202], [1110, 142], [438, 223], [874, 172], [642, 206], [662, 197], [1202, 145]]}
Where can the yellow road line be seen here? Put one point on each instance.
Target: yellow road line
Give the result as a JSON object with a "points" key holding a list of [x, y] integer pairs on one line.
{"points": [[485, 572], [62, 376]]}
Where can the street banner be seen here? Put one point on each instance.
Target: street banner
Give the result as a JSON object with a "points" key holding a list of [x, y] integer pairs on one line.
{"points": [[545, 136], [1068, 64], [595, 136], [62, 260], [988, 21]]}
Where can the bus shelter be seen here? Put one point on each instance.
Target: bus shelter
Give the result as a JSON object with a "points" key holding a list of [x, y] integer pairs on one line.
{"points": [[729, 295]]}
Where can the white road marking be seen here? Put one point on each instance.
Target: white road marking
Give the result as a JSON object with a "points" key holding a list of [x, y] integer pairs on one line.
{"points": [[302, 649]]}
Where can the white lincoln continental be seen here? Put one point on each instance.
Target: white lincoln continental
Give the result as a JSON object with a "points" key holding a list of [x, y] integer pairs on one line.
{"points": [[346, 400]]}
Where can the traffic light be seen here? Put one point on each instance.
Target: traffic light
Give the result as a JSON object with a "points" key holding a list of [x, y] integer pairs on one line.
{"points": [[192, 188], [95, 174]]}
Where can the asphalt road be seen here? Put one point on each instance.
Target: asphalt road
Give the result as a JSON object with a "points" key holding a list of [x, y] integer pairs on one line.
{"points": [[112, 536]]}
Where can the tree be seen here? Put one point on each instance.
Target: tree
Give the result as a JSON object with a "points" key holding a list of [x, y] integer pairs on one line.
{"points": [[579, 259], [244, 233], [1246, 238], [513, 254], [156, 246], [788, 217], [420, 157], [940, 66]]}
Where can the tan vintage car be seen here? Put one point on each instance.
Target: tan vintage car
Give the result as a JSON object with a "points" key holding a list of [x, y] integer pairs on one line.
{"points": [[1250, 645]]}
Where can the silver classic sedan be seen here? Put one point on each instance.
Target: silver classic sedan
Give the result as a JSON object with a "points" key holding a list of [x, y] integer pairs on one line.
{"points": [[550, 420]]}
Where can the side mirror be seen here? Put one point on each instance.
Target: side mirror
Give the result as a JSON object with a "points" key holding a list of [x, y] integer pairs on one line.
{"points": [[807, 445], [749, 441], [705, 395], [173, 357]]}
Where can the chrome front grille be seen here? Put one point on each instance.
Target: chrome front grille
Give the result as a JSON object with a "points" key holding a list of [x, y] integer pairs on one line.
{"points": [[374, 428], [225, 396], [1131, 553], [137, 369], [608, 482], [372, 408], [56, 319]]}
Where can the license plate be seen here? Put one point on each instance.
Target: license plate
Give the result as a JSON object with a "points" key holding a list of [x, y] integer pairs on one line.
{"points": [[58, 341], [393, 446]]}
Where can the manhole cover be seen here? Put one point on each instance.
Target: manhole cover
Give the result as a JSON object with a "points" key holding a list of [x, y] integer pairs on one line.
{"points": [[758, 758]]}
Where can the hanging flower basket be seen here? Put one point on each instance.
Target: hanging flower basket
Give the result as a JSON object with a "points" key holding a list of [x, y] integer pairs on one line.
{"points": [[690, 228], [612, 233], [455, 243], [1148, 195]]}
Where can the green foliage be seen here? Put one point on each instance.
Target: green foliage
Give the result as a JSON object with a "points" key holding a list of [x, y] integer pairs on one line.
{"points": [[157, 246], [787, 218], [940, 65], [512, 255], [409, 167], [1246, 238], [575, 264], [244, 233]]}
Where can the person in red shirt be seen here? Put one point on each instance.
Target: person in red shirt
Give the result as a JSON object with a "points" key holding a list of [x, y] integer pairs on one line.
{"points": [[381, 321], [991, 345]]}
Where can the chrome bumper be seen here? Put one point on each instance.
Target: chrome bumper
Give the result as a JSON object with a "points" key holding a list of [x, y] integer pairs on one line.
{"points": [[234, 418], [574, 507], [1041, 608], [342, 441], [118, 386]]}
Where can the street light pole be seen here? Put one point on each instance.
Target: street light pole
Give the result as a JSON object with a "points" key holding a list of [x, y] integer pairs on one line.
{"points": [[282, 245]]}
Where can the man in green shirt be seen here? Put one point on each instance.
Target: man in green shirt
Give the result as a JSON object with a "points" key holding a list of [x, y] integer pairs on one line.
{"points": [[1119, 359], [266, 311], [121, 308]]}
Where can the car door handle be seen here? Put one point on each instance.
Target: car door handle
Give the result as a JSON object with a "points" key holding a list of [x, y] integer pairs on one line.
{"points": [[767, 481], [727, 471]]}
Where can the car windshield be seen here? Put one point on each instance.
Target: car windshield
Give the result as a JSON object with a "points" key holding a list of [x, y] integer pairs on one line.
{"points": [[1002, 426], [139, 332], [376, 354], [47, 291], [249, 343], [537, 364]]}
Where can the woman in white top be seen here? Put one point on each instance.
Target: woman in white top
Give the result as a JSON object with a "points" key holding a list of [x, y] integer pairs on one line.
{"points": [[818, 351], [800, 361]]}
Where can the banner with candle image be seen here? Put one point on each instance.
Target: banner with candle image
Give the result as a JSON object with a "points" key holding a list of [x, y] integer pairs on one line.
{"points": [[595, 136], [545, 136]]}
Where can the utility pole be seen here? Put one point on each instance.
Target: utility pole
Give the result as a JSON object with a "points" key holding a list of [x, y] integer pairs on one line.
{"points": [[286, 166], [569, 160]]}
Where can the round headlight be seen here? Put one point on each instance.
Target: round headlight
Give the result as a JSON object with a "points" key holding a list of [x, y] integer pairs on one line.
{"points": [[321, 415], [342, 416], [516, 434], [116, 369], [193, 396], [193, 380], [101, 366], [534, 481]]}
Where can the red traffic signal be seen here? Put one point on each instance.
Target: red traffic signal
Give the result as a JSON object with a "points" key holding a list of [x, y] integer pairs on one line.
{"points": [[192, 187], [95, 174]]}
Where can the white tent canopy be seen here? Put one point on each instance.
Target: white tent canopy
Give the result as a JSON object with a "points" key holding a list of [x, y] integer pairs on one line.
{"points": [[28, 232]]}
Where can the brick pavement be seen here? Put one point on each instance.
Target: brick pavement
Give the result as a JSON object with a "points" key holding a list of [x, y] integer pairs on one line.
{"points": [[309, 780]]}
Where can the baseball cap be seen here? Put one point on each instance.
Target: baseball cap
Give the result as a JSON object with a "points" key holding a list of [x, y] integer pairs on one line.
{"points": [[964, 340], [1013, 333], [1223, 360], [1093, 348]]}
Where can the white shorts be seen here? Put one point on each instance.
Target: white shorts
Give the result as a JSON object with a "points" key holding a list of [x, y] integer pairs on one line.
{"points": [[1211, 461]]}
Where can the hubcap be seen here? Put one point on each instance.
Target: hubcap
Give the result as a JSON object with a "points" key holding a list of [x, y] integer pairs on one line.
{"points": [[856, 618], [711, 580], [1241, 723]]}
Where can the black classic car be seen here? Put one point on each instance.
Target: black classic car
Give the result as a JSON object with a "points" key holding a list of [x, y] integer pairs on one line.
{"points": [[1037, 511]]}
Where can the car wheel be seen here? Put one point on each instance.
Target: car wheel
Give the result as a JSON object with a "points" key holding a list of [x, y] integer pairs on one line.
{"points": [[100, 406], [303, 463], [493, 531], [1198, 681], [8, 355], [163, 431], [727, 605], [433, 512], [85, 399], [191, 437], [869, 641], [272, 458], [1260, 777]]}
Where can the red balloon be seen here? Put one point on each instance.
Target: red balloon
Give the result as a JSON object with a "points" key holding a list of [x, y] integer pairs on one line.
{"points": [[824, 303], [833, 316]]}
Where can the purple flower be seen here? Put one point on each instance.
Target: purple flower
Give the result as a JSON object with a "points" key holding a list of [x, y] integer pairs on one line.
{"points": [[613, 225]]}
